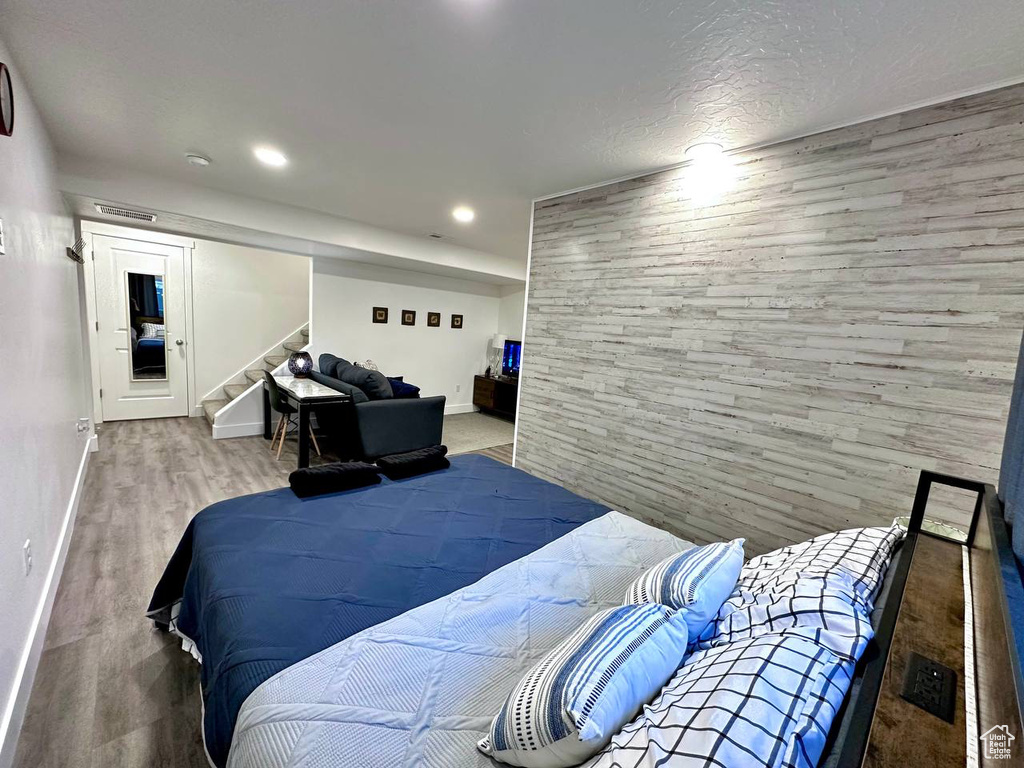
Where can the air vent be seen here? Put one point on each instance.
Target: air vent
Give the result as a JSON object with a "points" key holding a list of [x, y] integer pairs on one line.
{"points": [[125, 213]]}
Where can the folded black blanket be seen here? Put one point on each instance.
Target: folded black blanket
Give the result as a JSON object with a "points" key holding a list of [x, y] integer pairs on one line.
{"points": [[332, 478], [400, 465]]}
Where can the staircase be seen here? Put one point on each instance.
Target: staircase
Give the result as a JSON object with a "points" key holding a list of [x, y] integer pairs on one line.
{"points": [[241, 383]]}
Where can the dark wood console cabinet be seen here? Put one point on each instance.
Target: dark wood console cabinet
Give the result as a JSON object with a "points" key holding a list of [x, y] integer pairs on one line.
{"points": [[496, 396]]}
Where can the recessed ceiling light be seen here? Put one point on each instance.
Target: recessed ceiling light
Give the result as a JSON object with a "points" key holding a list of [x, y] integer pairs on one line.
{"points": [[463, 214], [704, 150], [270, 156], [197, 160]]}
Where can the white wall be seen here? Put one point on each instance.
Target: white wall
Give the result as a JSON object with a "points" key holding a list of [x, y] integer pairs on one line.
{"points": [[511, 311], [41, 451], [441, 361], [245, 300]]}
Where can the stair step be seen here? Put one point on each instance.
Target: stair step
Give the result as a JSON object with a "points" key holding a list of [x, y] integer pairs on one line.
{"points": [[305, 333], [210, 408], [234, 390], [273, 361], [294, 346], [254, 375]]}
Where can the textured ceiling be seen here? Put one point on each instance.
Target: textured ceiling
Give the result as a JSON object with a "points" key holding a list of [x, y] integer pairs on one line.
{"points": [[393, 111]]}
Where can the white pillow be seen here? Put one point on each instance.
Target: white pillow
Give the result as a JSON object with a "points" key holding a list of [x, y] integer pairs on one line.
{"points": [[152, 331], [577, 697], [695, 582], [822, 588], [861, 553], [825, 609]]}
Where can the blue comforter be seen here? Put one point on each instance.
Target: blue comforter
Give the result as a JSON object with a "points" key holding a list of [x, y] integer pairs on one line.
{"points": [[267, 580]]}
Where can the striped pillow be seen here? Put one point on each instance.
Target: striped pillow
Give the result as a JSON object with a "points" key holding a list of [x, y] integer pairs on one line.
{"points": [[577, 697], [695, 582]]}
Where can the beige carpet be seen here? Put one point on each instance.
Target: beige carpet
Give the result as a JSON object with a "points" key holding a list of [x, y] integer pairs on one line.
{"points": [[474, 431]]}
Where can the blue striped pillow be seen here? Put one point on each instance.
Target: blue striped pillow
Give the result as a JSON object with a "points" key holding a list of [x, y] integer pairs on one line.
{"points": [[577, 697], [695, 582]]}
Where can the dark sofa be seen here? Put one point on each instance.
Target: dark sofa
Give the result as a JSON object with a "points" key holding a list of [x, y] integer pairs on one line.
{"points": [[378, 423]]}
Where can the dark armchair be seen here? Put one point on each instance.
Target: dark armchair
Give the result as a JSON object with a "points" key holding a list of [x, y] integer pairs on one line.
{"points": [[385, 427], [374, 428]]}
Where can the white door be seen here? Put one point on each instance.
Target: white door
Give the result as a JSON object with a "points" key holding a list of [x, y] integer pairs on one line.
{"points": [[140, 308]]}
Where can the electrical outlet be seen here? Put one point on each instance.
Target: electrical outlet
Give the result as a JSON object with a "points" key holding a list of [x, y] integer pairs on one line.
{"points": [[458, 387], [3, 246], [26, 554], [930, 686]]}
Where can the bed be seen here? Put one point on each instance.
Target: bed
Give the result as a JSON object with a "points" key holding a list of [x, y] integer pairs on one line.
{"points": [[261, 582], [149, 358], [421, 689], [384, 626]]}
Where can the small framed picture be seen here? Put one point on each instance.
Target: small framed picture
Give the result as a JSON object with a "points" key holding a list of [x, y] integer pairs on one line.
{"points": [[408, 317], [456, 321], [433, 319], [380, 314]]}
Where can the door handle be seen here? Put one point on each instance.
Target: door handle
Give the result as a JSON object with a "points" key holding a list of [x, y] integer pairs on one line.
{"points": [[179, 342]]}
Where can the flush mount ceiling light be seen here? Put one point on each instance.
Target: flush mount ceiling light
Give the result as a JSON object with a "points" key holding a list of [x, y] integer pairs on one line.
{"points": [[197, 160], [710, 175], [270, 156], [706, 150], [463, 214]]}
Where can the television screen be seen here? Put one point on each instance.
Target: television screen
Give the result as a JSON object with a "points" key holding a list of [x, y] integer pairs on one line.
{"points": [[510, 358]]}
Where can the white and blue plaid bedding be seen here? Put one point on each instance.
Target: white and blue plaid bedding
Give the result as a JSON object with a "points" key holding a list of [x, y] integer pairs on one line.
{"points": [[767, 701], [862, 554], [824, 609]]}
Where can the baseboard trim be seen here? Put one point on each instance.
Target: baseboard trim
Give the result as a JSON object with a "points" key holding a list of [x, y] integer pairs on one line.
{"points": [[450, 410], [221, 431], [17, 704]]}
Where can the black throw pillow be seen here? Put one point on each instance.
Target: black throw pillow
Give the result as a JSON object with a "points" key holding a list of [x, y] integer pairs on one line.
{"points": [[400, 465], [374, 383], [332, 478]]}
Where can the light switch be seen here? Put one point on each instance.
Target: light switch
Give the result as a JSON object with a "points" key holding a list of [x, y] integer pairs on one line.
{"points": [[2, 246]]}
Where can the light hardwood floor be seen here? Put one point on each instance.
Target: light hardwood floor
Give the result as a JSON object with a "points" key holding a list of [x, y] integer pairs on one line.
{"points": [[502, 453], [111, 691]]}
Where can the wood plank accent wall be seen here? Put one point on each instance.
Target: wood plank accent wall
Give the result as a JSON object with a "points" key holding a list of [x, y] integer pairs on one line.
{"points": [[784, 361]]}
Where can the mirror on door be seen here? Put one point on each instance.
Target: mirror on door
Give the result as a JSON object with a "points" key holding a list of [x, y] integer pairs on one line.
{"points": [[146, 326]]}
